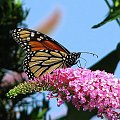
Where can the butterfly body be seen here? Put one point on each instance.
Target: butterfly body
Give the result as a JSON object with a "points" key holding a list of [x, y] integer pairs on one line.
{"points": [[43, 54]]}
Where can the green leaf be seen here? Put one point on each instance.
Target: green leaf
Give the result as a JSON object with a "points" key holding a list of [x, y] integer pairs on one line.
{"points": [[42, 113], [114, 13]]}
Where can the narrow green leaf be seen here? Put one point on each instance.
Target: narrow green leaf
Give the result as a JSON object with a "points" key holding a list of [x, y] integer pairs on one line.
{"points": [[114, 13]]}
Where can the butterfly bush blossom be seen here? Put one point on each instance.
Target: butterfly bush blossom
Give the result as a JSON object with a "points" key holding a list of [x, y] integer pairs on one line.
{"points": [[85, 88]]}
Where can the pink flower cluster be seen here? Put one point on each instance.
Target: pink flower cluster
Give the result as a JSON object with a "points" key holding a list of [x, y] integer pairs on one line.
{"points": [[85, 88]]}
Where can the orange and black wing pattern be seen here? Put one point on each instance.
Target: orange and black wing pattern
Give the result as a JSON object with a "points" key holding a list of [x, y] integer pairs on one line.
{"points": [[41, 62], [31, 40], [43, 54]]}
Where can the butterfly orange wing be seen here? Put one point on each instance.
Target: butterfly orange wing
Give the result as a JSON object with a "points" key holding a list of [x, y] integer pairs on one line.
{"points": [[38, 63], [43, 54], [31, 40]]}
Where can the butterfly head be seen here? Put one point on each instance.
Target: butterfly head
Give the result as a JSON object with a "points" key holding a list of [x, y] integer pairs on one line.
{"points": [[72, 58], [75, 55]]}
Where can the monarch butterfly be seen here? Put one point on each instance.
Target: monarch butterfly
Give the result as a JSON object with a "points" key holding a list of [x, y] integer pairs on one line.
{"points": [[43, 54]]}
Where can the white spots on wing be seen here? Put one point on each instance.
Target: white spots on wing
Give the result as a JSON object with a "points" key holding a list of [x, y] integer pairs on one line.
{"points": [[14, 33], [41, 37], [19, 29], [28, 50], [46, 50], [38, 39], [28, 55], [38, 32], [25, 43], [17, 33], [32, 34], [28, 38], [32, 53], [67, 56], [15, 37], [64, 58], [26, 66], [56, 50], [25, 62], [28, 47], [14, 30]]}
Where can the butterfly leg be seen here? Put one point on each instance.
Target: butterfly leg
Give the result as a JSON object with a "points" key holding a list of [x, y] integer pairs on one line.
{"points": [[78, 63]]}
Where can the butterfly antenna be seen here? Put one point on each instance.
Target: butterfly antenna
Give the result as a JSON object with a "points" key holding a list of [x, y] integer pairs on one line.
{"points": [[90, 53], [80, 63]]}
